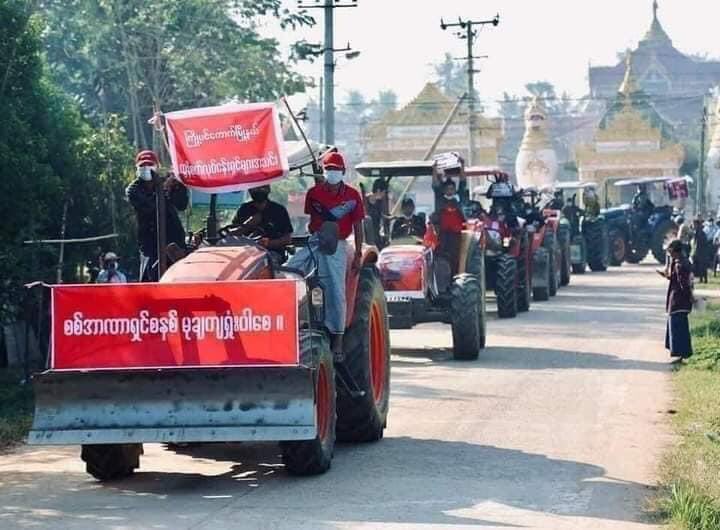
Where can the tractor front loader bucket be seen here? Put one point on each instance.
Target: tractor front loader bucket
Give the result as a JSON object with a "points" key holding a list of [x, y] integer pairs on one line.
{"points": [[187, 405]]}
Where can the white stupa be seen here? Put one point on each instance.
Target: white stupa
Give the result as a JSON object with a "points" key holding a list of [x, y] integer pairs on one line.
{"points": [[712, 165], [536, 163]]}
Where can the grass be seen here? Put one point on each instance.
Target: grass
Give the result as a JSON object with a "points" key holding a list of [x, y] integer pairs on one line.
{"points": [[16, 408], [691, 470]]}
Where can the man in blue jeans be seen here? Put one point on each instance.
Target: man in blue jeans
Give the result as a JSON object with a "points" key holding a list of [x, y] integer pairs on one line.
{"points": [[333, 201]]}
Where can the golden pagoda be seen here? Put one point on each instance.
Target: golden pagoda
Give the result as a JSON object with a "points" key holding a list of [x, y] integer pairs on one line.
{"points": [[628, 144], [408, 133], [712, 164]]}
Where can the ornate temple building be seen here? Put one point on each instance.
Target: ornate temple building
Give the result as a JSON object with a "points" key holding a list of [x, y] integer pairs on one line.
{"points": [[536, 163], [632, 141], [662, 70], [406, 134]]}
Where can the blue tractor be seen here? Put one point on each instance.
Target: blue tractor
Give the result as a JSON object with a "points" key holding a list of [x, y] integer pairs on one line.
{"points": [[642, 226]]}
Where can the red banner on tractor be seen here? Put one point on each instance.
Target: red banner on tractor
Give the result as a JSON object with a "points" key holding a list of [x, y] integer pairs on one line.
{"points": [[193, 325], [227, 148]]}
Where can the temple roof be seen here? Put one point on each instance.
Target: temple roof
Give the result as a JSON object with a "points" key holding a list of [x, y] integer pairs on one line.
{"points": [[429, 107], [656, 35]]}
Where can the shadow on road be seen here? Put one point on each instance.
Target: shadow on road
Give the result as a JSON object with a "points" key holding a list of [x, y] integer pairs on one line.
{"points": [[398, 480], [509, 358]]}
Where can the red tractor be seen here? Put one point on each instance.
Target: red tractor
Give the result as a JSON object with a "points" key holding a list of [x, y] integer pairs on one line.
{"points": [[304, 405], [517, 265], [421, 282]]}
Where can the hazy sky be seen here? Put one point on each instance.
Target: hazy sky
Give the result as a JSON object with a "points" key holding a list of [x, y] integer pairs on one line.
{"points": [[552, 40]]}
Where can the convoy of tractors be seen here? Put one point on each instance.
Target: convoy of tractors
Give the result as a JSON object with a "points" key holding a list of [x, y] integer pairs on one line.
{"points": [[514, 247]]}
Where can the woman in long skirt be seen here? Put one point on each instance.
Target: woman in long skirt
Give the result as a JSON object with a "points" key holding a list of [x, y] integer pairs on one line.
{"points": [[678, 302]]}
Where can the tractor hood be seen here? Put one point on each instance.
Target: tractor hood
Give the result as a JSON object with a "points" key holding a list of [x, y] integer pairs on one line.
{"points": [[220, 263]]}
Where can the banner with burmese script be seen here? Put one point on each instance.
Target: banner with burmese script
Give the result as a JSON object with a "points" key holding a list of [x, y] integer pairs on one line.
{"points": [[227, 148], [192, 325]]}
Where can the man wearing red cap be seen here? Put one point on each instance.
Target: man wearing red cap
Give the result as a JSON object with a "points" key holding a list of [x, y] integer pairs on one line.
{"points": [[333, 202], [141, 195]]}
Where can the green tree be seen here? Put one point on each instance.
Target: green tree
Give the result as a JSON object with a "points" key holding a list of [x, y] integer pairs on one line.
{"points": [[130, 57], [50, 159], [451, 76]]}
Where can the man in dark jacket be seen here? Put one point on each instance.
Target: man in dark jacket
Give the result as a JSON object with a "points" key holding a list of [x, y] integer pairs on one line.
{"points": [[141, 195]]}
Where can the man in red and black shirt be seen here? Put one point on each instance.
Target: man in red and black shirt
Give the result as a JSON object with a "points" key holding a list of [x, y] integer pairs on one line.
{"points": [[333, 201]]}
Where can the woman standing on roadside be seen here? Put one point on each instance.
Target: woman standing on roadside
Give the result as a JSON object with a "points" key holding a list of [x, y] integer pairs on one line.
{"points": [[678, 303]]}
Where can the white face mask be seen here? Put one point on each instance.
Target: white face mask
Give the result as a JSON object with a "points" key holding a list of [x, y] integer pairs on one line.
{"points": [[145, 172], [333, 176]]}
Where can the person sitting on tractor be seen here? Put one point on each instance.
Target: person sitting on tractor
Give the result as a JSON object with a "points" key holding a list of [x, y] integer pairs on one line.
{"points": [[375, 205], [269, 220], [410, 224], [141, 195], [449, 215], [333, 201], [572, 214], [641, 200], [591, 202]]}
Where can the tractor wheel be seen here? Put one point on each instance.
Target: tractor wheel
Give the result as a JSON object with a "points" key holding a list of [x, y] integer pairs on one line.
{"points": [[313, 457], [617, 248], [466, 316], [663, 234], [566, 263], [476, 267], [542, 294], [596, 239], [550, 243], [111, 461], [637, 254], [367, 357], [524, 295], [505, 286]]}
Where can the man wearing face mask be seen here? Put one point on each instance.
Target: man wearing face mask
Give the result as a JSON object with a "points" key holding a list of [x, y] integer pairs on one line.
{"points": [[333, 201], [141, 195], [268, 219], [110, 272]]}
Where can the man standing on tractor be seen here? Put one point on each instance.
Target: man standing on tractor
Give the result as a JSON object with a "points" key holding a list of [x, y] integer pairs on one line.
{"points": [[450, 215], [591, 202], [641, 200], [141, 195], [375, 205], [333, 201], [269, 220]]}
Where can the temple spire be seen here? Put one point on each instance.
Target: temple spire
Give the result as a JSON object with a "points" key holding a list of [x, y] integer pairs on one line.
{"points": [[656, 34], [629, 85]]}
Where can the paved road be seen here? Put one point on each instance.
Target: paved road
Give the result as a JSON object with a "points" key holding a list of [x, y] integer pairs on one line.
{"points": [[558, 426]]}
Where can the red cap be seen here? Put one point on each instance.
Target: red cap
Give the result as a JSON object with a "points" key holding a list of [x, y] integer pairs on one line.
{"points": [[146, 158], [334, 160]]}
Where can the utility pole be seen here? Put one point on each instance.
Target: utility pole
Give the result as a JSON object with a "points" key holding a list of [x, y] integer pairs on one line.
{"points": [[470, 35], [700, 196], [320, 113], [328, 6]]}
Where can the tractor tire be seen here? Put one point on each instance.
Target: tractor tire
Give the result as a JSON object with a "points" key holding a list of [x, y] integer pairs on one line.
{"points": [[663, 234], [636, 255], [566, 262], [466, 316], [617, 248], [108, 462], [550, 243], [524, 295], [505, 286], [596, 239], [313, 457], [542, 294], [367, 357], [476, 267]]}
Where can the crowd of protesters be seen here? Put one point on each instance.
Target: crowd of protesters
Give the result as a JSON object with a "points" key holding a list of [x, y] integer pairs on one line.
{"points": [[701, 243]]}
